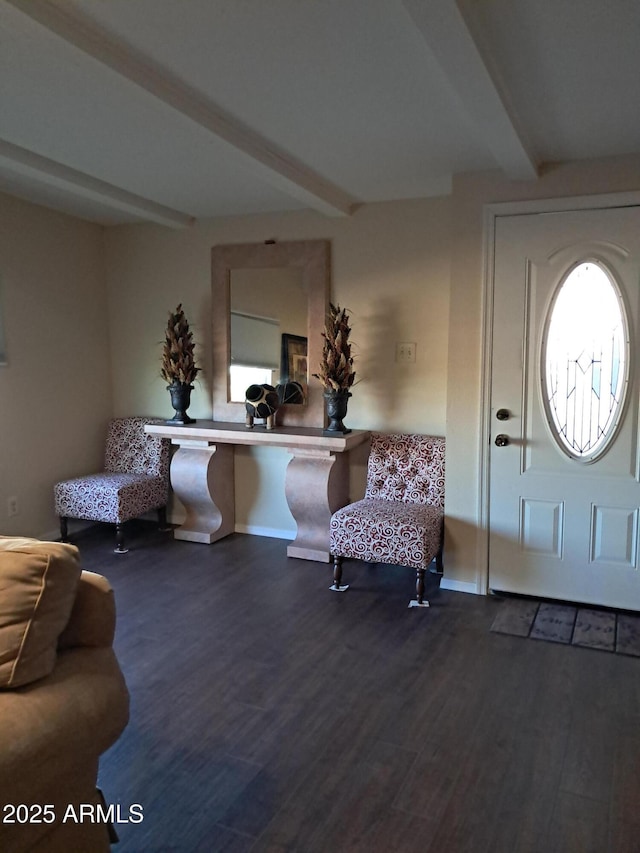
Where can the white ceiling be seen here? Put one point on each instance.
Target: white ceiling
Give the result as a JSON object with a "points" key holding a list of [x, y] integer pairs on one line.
{"points": [[170, 110]]}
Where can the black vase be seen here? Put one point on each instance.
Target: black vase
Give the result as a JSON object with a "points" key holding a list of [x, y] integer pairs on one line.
{"points": [[336, 405], [180, 393]]}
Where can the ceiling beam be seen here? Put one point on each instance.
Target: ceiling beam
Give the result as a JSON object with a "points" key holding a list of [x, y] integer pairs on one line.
{"points": [[275, 166], [23, 162], [474, 79]]}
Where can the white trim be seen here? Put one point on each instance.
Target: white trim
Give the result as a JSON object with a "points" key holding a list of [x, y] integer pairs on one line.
{"points": [[460, 586], [566, 203], [49, 535], [271, 532], [74, 525], [267, 160], [55, 174], [474, 78], [491, 213], [178, 518]]}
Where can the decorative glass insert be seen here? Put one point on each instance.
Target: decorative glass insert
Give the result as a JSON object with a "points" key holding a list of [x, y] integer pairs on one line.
{"points": [[585, 360]]}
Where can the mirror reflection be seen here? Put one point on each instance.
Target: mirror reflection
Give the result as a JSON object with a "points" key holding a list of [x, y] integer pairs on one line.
{"points": [[268, 329]]}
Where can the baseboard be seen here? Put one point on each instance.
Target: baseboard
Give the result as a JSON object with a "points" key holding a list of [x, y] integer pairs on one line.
{"points": [[272, 532], [73, 526], [49, 535], [176, 518], [459, 586], [252, 529]]}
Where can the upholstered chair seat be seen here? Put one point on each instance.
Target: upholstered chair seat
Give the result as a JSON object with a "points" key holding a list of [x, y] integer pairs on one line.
{"points": [[135, 480], [400, 520]]}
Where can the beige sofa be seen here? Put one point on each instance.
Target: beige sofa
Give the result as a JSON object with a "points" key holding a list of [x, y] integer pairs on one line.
{"points": [[63, 698]]}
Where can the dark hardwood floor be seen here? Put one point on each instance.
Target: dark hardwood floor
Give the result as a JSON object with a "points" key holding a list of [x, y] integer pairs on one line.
{"points": [[269, 714]]}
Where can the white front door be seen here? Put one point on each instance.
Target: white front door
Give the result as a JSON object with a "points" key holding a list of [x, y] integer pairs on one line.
{"points": [[564, 476]]}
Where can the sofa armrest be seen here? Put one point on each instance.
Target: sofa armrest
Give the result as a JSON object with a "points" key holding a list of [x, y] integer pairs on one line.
{"points": [[93, 616]]}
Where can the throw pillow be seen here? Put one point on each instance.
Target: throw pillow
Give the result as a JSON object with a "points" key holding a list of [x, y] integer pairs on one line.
{"points": [[38, 582]]}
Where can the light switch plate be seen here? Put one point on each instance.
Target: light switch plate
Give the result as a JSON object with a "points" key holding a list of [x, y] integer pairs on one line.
{"points": [[405, 352]]}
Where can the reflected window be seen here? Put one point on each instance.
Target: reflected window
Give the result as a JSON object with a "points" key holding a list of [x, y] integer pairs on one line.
{"points": [[268, 318], [241, 376], [585, 361]]}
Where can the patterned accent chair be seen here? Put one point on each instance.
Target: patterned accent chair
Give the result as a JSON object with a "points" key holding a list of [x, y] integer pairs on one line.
{"points": [[400, 520], [135, 480]]}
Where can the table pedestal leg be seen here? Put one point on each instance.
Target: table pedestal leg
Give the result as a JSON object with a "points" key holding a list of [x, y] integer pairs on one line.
{"points": [[316, 485], [202, 478]]}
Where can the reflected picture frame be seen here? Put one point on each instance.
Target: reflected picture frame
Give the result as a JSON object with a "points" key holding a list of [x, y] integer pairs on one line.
{"points": [[293, 359]]}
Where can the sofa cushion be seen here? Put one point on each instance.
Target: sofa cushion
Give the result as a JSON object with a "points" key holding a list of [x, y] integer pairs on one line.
{"points": [[38, 582]]}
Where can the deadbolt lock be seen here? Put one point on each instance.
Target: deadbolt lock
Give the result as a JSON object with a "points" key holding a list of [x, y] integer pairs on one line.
{"points": [[502, 414]]}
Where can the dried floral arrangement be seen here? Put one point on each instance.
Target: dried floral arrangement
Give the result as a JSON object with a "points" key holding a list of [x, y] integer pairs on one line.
{"points": [[178, 362], [336, 368]]}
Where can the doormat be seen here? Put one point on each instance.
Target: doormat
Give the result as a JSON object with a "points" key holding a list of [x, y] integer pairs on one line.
{"points": [[563, 623]]}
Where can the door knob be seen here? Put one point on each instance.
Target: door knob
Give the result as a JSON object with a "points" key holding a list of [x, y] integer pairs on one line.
{"points": [[502, 414], [501, 440]]}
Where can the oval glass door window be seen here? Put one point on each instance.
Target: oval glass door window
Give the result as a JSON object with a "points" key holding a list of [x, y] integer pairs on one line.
{"points": [[585, 361]]}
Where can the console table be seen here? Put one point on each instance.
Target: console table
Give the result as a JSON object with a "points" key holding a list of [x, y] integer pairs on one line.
{"points": [[316, 482]]}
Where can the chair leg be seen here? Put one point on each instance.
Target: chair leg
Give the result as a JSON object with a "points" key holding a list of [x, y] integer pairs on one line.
{"points": [[439, 570], [419, 602], [419, 585], [64, 530], [438, 561], [337, 575], [113, 835], [120, 548], [162, 519]]}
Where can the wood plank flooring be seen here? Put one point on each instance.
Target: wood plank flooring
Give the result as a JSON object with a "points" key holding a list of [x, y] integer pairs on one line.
{"points": [[269, 714]]}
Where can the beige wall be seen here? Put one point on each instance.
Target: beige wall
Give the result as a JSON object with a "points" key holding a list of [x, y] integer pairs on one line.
{"points": [[55, 391], [390, 268], [465, 556], [401, 268]]}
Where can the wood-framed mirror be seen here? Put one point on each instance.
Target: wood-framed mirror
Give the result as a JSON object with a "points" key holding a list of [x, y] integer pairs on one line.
{"points": [[259, 295]]}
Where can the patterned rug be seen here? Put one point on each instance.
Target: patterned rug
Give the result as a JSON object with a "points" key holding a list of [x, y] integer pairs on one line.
{"points": [[562, 623]]}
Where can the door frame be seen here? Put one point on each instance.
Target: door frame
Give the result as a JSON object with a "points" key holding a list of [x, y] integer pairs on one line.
{"points": [[491, 213]]}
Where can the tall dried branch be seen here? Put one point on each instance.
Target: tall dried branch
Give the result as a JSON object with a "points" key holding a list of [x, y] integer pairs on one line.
{"points": [[178, 360], [336, 368]]}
